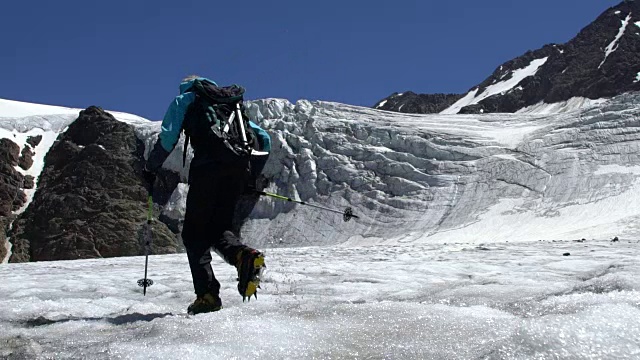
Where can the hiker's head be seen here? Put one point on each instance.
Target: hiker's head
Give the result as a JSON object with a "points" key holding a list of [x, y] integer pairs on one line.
{"points": [[186, 83], [191, 77]]}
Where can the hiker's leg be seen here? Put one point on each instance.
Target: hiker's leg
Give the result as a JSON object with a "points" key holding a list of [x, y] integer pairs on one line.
{"points": [[225, 242], [196, 235], [247, 201], [204, 280], [244, 207]]}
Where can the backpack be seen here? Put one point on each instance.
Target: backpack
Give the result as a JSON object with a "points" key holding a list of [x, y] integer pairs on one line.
{"points": [[217, 125]]}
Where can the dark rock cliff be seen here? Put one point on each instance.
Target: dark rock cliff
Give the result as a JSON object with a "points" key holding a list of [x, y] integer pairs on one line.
{"points": [[13, 183], [410, 102], [90, 201]]}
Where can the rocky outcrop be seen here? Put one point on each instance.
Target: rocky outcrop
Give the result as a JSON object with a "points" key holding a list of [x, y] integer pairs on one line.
{"points": [[34, 141], [600, 62], [12, 183], [4, 222], [26, 157], [410, 102], [90, 201]]}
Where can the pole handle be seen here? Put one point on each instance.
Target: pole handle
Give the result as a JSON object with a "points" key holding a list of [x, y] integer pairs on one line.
{"points": [[150, 209]]}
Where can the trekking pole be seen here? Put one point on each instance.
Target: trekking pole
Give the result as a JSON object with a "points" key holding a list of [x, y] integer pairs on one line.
{"points": [[347, 214], [144, 283]]}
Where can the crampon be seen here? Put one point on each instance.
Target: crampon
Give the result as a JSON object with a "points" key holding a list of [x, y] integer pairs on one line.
{"points": [[250, 266]]}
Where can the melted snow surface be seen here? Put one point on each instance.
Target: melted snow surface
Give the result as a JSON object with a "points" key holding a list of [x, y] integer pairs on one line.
{"points": [[455, 301]]}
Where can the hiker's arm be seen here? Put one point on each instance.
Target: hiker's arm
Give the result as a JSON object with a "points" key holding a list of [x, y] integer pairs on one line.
{"points": [[263, 137], [170, 131], [258, 161]]}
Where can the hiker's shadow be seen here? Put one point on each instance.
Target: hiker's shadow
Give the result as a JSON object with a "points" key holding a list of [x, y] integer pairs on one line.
{"points": [[116, 320], [135, 317]]}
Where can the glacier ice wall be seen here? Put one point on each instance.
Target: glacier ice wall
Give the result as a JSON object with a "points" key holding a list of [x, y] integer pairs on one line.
{"points": [[430, 178], [454, 178]]}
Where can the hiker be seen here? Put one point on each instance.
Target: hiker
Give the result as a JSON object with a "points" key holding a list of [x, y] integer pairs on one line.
{"points": [[219, 174]]}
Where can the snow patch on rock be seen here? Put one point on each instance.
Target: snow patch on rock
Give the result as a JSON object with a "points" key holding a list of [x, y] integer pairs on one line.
{"points": [[498, 88], [613, 46]]}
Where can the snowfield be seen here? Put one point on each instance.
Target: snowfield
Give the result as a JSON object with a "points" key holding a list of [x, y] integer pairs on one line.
{"points": [[453, 301]]}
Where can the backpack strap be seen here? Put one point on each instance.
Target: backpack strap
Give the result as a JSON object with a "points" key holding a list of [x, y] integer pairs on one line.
{"points": [[241, 122], [184, 151], [182, 129]]}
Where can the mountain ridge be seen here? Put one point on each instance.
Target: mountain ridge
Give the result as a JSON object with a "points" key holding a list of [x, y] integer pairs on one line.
{"points": [[601, 61]]}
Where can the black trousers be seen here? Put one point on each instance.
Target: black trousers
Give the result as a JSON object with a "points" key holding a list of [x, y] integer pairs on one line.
{"points": [[208, 222]]}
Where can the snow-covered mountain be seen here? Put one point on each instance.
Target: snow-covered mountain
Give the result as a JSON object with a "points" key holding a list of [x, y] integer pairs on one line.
{"points": [[602, 61], [550, 173]]}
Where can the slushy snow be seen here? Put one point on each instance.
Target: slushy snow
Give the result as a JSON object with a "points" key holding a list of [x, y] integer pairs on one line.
{"points": [[438, 301]]}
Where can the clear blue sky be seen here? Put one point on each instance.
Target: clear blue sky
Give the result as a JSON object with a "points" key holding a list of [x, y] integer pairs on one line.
{"points": [[130, 55]]}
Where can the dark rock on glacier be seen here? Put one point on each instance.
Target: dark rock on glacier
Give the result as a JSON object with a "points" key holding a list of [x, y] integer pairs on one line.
{"points": [[9, 152], [26, 158], [4, 223], [90, 202], [34, 140], [29, 182], [600, 62]]}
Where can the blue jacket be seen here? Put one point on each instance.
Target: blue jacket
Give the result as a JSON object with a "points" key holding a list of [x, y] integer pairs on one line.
{"points": [[172, 126]]}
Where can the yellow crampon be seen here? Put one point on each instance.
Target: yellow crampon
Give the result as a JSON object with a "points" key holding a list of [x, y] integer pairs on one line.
{"points": [[249, 273]]}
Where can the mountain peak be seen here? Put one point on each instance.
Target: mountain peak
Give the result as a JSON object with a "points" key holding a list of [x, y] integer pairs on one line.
{"points": [[601, 61], [629, 5]]}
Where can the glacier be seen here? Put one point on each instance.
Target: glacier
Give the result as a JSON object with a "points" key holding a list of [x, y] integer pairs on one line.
{"points": [[471, 243], [551, 172], [443, 178]]}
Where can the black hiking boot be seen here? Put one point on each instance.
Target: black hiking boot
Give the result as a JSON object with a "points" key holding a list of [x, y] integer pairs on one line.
{"points": [[204, 304], [250, 264]]}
